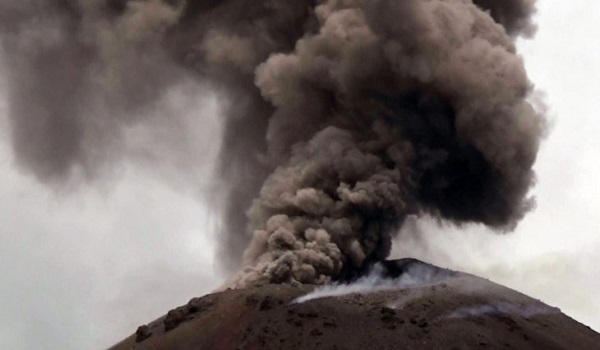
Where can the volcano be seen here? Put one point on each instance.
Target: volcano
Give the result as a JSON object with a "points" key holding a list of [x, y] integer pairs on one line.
{"points": [[402, 304]]}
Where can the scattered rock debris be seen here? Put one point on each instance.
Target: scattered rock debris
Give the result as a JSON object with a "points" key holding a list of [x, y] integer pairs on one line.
{"points": [[330, 322], [266, 304], [389, 318], [185, 313], [174, 318], [316, 332], [143, 332]]}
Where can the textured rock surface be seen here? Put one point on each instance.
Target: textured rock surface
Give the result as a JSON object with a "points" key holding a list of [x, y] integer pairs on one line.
{"points": [[457, 312]]}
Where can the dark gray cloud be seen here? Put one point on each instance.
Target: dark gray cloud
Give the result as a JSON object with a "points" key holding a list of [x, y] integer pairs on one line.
{"points": [[78, 76], [385, 109], [340, 117]]}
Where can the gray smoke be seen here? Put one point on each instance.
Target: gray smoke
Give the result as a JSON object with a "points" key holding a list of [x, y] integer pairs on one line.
{"points": [[341, 117], [78, 75]]}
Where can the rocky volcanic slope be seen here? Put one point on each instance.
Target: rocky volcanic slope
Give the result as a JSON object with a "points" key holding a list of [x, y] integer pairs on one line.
{"points": [[458, 311]]}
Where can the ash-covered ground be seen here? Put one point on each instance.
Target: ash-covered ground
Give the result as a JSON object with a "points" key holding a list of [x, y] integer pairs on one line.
{"points": [[418, 306]]}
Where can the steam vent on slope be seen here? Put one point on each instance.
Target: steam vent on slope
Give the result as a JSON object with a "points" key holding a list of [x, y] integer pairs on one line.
{"points": [[403, 304]]}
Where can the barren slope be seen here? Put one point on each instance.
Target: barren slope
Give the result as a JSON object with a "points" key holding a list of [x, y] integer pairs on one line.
{"points": [[458, 311]]}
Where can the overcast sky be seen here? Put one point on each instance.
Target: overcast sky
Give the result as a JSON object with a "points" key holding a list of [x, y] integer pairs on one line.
{"points": [[83, 267]]}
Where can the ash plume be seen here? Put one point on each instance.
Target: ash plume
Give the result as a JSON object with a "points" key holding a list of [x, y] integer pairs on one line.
{"points": [[78, 76], [341, 117]]}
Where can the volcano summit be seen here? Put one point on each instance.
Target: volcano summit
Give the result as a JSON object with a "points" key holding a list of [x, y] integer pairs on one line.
{"points": [[412, 305]]}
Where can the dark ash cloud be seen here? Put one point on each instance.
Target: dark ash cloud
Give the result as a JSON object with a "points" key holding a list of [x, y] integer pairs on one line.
{"points": [[341, 117]]}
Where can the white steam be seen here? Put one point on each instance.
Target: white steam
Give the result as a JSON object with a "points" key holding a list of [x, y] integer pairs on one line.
{"points": [[415, 276]]}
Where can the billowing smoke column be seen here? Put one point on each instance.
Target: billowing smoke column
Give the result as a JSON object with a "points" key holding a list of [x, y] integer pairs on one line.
{"points": [[342, 116]]}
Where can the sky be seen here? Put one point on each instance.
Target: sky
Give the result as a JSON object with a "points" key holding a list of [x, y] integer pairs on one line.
{"points": [[83, 266]]}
